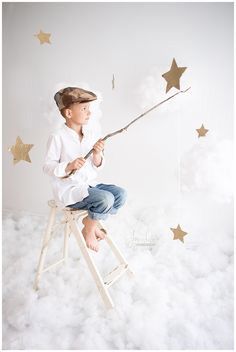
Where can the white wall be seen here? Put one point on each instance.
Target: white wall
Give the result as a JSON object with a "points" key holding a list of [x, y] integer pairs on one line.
{"points": [[136, 42]]}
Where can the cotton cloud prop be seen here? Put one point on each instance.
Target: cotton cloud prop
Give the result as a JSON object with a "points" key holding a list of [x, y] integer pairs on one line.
{"points": [[181, 297], [208, 167]]}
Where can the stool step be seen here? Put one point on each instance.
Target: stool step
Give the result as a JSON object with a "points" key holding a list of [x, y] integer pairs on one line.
{"points": [[115, 274]]}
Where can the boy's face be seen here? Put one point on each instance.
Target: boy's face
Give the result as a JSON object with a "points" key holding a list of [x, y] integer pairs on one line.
{"points": [[79, 113]]}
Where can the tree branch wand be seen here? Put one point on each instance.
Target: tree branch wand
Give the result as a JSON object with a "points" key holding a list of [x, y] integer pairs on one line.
{"points": [[127, 126]]}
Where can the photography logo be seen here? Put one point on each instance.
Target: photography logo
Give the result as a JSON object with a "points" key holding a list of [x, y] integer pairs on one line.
{"points": [[143, 241]]}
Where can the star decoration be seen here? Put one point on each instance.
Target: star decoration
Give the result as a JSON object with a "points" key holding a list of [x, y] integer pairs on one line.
{"points": [[173, 76], [113, 82], [178, 233], [20, 151], [202, 131], [43, 37]]}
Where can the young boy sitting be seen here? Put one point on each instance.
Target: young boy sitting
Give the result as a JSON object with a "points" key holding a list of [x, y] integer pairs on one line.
{"points": [[65, 150]]}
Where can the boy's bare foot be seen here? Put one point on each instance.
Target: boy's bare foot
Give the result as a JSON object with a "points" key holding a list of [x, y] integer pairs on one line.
{"points": [[100, 233], [90, 240]]}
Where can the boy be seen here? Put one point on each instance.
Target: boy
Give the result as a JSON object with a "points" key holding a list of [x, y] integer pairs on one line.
{"points": [[65, 150]]}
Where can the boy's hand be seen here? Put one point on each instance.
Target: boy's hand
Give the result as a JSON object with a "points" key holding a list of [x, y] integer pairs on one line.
{"points": [[98, 146], [75, 164]]}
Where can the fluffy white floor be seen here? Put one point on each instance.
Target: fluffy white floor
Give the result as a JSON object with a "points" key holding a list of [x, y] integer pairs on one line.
{"points": [[181, 297]]}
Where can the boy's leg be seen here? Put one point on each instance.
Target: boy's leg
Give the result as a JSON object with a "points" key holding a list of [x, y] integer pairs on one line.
{"points": [[119, 193], [98, 203]]}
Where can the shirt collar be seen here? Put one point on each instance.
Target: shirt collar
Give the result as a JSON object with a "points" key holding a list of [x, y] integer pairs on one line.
{"points": [[73, 132]]}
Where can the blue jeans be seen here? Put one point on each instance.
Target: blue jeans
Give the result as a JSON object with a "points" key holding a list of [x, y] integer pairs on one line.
{"points": [[103, 199]]}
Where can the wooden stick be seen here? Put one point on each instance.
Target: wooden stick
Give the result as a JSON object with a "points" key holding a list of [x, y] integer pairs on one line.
{"points": [[127, 126]]}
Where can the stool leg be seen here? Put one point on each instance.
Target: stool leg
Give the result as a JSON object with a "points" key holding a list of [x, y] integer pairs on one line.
{"points": [[66, 237], [119, 256], [91, 265], [44, 249]]}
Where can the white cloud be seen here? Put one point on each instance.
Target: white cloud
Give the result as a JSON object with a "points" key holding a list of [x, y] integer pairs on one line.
{"points": [[181, 297], [208, 167]]}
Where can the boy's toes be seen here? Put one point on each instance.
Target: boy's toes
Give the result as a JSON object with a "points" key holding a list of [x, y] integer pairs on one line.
{"points": [[100, 233], [94, 248], [93, 245]]}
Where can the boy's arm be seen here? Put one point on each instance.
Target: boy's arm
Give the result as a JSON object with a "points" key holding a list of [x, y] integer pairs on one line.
{"points": [[102, 161], [52, 165], [94, 157]]}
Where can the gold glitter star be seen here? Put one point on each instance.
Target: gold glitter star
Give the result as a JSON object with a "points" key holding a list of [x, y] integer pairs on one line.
{"points": [[43, 37], [20, 151], [202, 131], [178, 233], [173, 76]]}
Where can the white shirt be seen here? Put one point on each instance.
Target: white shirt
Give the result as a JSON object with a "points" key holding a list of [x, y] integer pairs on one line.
{"points": [[64, 146]]}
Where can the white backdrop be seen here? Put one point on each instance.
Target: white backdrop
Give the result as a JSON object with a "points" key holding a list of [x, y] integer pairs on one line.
{"points": [[158, 157], [136, 42]]}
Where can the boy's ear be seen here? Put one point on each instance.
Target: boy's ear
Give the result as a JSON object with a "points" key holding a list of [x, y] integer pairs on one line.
{"points": [[66, 113]]}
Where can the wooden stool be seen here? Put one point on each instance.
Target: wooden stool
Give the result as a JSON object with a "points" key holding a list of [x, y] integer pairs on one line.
{"points": [[71, 217]]}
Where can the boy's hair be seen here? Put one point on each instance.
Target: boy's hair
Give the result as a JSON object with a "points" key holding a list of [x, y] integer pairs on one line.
{"points": [[63, 111]]}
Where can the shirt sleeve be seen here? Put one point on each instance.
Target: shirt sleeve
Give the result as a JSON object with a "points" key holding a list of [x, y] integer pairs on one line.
{"points": [[52, 165]]}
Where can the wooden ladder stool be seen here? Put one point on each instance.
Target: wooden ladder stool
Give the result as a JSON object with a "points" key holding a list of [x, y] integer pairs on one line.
{"points": [[70, 221]]}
